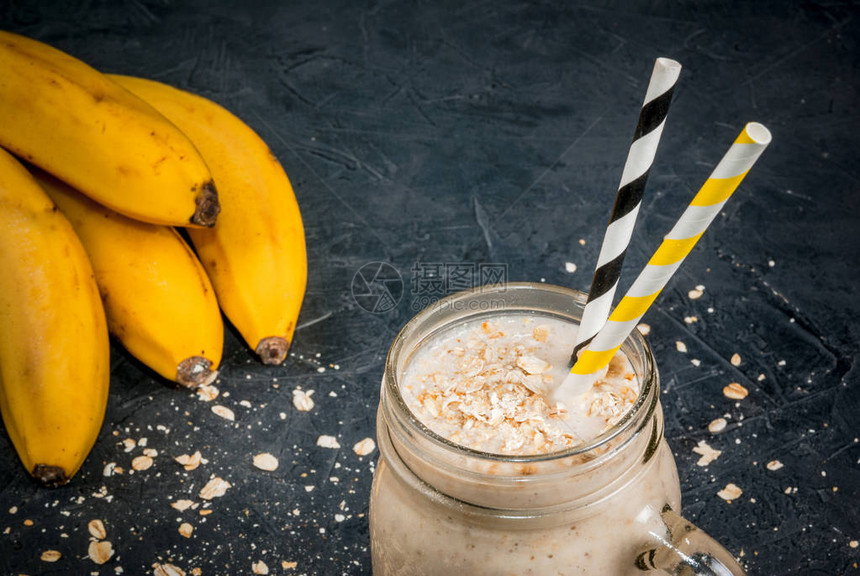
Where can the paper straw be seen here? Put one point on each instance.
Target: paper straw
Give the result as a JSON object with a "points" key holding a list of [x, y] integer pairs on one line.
{"points": [[667, 259], [652, 118]]}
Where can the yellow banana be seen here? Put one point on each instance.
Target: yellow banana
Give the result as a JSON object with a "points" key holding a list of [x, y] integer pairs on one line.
{"points": [[72, 121], [159, 302], [54, 348], [255, 253]]}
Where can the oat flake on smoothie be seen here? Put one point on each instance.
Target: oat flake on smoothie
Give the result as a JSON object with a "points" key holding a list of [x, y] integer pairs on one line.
{"points": [[486, 385]]}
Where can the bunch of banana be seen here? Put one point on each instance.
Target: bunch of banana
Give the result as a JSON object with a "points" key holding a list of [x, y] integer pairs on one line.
{"points": [[159, 302], [54, 352], [126, 160], [72, 121], [255, 253]]}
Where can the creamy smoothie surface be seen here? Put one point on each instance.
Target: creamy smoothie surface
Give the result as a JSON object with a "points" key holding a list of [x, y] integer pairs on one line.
{"points": [[486, 384]]}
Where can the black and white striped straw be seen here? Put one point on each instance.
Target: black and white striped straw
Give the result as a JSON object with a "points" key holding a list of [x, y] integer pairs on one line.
{"points": [[640, 157]]}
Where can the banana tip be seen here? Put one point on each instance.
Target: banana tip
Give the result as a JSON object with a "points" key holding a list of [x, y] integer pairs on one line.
{"points": [[195, 371], [273, 350], [208, 206], [49, 476]]}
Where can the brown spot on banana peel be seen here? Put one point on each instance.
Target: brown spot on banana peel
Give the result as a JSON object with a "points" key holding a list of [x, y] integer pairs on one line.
{"points": [[273, 350], [208, 206], [195, 371], [49, 476]]}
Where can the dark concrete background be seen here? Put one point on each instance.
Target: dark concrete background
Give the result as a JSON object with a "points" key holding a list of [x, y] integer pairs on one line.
{"points": [[467, 133]]}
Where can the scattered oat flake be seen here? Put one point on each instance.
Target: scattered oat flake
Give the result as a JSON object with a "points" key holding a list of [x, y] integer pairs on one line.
{"points": [[207, 393], [643, 328], [224, 412], [182, 505], [680, 346], [166, 570], [774, 465], [364, 447], [259, 567], [109, 469], [50, 556], [735, 391], [695, 361], [853, 544], [96, 529], [707, 453], [141, 463], [570, 267], [289, 565], [185, 529], [302, 400], [717, 425], [100, 552], [265, 461], [190, 462], [730, 492], [28, 522], [690, 319], [129, 444], [216, 487], [695, 294], [327, 441], [736, 359]]}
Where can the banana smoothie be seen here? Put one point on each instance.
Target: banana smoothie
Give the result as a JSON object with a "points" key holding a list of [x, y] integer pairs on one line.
{"points": [[482, 473]]}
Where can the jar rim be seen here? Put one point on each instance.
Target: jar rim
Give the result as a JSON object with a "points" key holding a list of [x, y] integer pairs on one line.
{"points": [[639, 413]]}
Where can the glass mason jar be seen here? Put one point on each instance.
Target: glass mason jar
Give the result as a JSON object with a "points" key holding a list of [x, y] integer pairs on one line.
{"points": [[607, 507]]}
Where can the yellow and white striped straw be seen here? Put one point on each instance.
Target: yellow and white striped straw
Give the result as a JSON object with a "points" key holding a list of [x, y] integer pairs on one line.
{"points": [[667, 259]]}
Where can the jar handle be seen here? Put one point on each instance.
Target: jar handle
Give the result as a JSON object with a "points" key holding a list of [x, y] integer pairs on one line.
{"points": [[685, 550]]}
